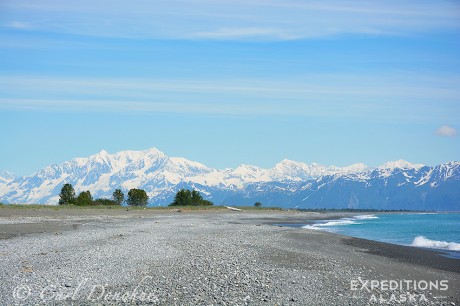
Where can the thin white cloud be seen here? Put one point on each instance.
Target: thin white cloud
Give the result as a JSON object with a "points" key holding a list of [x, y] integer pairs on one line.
{"points": [[446, 131], [315, 85], [245, 33], [232, 20], [363, 97], [19, 25]]}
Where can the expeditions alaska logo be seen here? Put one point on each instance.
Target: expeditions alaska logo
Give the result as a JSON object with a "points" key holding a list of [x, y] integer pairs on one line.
{"points": [[399, 291]]}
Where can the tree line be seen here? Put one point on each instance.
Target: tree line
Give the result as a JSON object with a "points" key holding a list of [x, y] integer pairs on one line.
{"points": [[136, 197], [185, 197]]}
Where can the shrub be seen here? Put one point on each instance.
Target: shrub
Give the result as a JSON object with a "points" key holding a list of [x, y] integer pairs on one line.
{"points": [[102, 201], [84, 199]]}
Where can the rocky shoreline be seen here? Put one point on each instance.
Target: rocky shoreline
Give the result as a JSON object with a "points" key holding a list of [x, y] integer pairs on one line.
{"points": [[206, 258]]}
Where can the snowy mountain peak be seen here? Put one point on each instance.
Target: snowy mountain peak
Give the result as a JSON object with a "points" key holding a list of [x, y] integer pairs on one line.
{"points": [[103, 155], [290, 164], [186, 166], [290, 170], [6, 176], [138, 155], [153, 152], [453, 164], [400, 164], [160, 176], [246, 168], [358, 167], [249, 173]]}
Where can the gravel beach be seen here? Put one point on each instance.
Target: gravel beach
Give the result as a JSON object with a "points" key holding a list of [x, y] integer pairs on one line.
{"points": [[166, 257]]}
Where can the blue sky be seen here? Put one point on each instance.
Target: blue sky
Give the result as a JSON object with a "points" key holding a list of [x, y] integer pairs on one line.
{"points": [[230, 82]]}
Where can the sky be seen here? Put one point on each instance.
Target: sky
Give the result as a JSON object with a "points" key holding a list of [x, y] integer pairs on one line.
{"points": [[235, 82]]}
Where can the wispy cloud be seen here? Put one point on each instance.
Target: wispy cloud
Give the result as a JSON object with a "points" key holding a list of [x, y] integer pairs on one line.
{"points": [[327, 96], [245, 33], [314, 86], [19, 25], [232, 20], [446, 131]]}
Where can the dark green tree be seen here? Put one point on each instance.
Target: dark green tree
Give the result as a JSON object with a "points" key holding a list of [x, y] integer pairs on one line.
{"points": [[137, 197], [258, 204], [182, 198], [118, 196], [196, 198], [67, 195], [185, 197], [206, 203], [84, 198]]}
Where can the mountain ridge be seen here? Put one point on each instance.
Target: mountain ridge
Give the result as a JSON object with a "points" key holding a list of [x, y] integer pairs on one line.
{"points": [[161, 176]]}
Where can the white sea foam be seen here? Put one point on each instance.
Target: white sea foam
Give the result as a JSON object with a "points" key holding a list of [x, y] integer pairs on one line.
{"points": [[339, 222], [365, 217], [347, 221], [313, 227], [423, 242]]}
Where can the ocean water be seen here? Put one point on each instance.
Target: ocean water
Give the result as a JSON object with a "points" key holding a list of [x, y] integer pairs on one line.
{"points": [[425, 230]]}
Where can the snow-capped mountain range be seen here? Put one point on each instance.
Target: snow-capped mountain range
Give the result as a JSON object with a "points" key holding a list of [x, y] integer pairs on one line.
{"points": [[287, 184]]}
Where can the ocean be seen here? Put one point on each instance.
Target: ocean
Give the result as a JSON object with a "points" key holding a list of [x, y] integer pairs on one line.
{"points": [[426, 230]]}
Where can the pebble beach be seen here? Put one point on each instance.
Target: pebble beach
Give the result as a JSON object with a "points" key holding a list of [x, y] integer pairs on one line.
{"points": [[167, 257]]}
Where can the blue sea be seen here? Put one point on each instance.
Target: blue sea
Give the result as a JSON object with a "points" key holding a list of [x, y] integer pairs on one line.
{"points": [[426, 230]]}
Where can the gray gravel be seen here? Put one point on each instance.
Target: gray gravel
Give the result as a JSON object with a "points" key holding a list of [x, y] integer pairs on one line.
{"points": [[209, 258]]}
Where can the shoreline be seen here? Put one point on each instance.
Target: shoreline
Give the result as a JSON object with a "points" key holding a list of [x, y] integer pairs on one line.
{"points": [[48, 220], [432, 258], [283, 218], [201, 257], [451, 254]]}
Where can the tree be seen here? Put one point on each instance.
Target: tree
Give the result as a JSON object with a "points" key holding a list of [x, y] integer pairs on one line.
{"points": [[84, 198], [182, 198], [185, 197], [137, 197], [206, 203], [258, 204], [195, 198], [67, 195], [118, 196]]}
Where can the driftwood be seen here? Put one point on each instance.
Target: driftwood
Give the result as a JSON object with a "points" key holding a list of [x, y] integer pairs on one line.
{"points": [[233, 208]]}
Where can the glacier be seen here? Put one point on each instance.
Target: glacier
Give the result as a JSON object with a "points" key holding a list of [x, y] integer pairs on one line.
{"points": [[394, 185]]}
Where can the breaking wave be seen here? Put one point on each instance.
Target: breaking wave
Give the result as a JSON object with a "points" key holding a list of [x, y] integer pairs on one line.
{"points": [[339, 222], [423, 242], [365, 217]]}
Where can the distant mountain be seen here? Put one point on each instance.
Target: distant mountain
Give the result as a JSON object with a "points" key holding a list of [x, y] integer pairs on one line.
{"points": [[6, 176], [415, 188], [394, 185]]}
